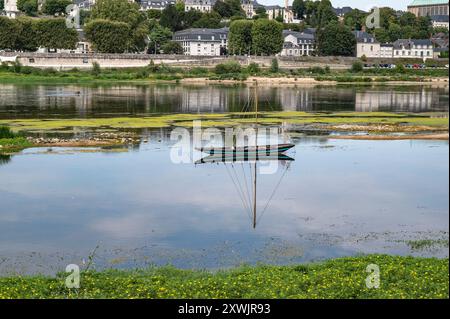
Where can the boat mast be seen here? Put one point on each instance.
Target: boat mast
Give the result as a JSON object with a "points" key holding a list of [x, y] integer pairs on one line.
{"points": [[256, 156]]}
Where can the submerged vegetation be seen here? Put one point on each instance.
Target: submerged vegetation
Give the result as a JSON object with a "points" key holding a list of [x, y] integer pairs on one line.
{"points": [[400, 277], [382, 121]]}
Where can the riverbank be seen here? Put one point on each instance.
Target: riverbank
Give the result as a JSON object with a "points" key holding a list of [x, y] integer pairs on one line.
{"points": [[225, 73], [343, 278]]}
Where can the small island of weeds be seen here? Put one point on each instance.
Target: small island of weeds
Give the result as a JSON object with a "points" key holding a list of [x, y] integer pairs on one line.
{"points": [[343, 278], [11, 142]]}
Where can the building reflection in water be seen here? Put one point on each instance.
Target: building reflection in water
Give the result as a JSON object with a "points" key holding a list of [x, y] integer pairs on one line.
{"points": [[85, 101]]}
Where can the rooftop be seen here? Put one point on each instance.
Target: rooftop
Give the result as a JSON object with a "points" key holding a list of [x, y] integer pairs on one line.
{"points": [[427, 2]]}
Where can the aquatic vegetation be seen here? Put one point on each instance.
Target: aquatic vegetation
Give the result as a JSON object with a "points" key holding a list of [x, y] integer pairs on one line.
{"points": [[396, 122], [10, 145], [400, 277]]}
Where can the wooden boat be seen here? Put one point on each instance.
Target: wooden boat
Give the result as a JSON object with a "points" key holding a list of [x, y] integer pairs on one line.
{"points": [[260, 149]]}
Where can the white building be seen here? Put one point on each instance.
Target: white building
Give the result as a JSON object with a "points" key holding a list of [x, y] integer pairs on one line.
{"points": [[386, 50], [248, 6], [440, 21], [366, 45], [155, 4], [10, 8], [412, 48], [286, 13], [298, 43], [199, 5], [204, 42]]}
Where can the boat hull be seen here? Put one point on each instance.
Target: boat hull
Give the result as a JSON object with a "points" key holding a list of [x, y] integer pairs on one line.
{"points": [[262, 149]]}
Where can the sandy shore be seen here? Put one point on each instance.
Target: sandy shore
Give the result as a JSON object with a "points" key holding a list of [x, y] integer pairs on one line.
{"points": [[308, 81]]}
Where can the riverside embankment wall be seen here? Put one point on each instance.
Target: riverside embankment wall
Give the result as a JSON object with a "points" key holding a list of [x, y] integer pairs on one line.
{"points": [[81, 61]]}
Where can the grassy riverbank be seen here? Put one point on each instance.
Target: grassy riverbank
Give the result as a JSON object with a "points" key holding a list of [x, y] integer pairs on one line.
{"points": [[400, 277], [11, 142], [228, 71]]}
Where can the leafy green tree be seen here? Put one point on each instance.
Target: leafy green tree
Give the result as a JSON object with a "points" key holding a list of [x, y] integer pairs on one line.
{"points": [[274, 67], [387, 17], [240, 37], [267, 37], [325, 13], [209, 20], [108, 36], [336, 39], [355, 19], [223, 8], [125, 12], [260, 13], [172, 47], [299, 8], [190, 17], [171, 18], [52, 7], [407, 19], [27, 35], [117, 10], [29, 7], [424, 27], [2, 4], [158, 36], [53, 34], [382, 35], [153, 14], [8, 33]]}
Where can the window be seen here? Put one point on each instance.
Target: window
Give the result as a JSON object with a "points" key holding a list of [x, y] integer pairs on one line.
{"points": [[85, 60], [31, 60]]}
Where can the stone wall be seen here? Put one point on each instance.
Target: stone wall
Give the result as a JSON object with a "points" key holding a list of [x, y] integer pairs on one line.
{"points": [[81, 61]]}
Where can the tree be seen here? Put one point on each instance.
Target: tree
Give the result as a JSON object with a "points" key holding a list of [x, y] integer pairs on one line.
{"points": [[153, 14], [407, 19], [108, 36], [240, 37], [52, 7], [325, 14], [190, 17], [158, 37], [126, 12], [172, 47], [210, 20], [171, 18], [424, 27], [117, 10], [267, 37], [8, 33], [27, 35], [29, 7], [54, 34], [260, 13], [299, 8], [355, 19], [223, 8], [336, 39], [2, 4]]}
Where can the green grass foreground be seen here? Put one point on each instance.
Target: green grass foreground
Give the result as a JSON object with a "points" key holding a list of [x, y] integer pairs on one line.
{"points": [[400, 277]]}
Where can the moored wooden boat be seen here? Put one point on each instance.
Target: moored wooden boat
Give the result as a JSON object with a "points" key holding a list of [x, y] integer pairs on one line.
{"points": [[260, 149]]}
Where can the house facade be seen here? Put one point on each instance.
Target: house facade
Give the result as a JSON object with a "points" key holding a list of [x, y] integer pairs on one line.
{"points": [[155, 4], [199, 5], [10, 8], [367, 45], [298, 44], [203, 42], [412, 48]]}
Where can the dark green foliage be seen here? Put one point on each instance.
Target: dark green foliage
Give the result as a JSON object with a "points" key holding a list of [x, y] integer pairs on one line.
{"points": [[227, 68], [240, 37], [274, 68], [172, 47], [54, 34], [29, 7], [52, 7], [267, 37], [108, 36], [357, 67], [336, 39]]}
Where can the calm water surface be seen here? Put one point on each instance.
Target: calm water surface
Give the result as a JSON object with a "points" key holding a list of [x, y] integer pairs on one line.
{"points": [[338, 198], [28, 101]]}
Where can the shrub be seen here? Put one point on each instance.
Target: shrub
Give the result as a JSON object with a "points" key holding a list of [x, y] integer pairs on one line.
{"points": [[319, 70], [274, 68], [253, 68], [356, 67], [96, 70], [5, 132], [227, 68]]}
